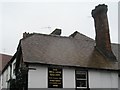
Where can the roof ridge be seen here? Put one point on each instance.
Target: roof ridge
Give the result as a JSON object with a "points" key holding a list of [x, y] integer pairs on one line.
{"points": [[75, 33], [51, 35], [31, 34]]}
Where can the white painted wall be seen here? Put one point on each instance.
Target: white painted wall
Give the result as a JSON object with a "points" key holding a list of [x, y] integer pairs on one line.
{"points": [[68, 78], [103, 79], [97, 79], [37, 78]]}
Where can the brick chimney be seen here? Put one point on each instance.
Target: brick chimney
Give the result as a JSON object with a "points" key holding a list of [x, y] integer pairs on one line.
{"points": [[103, 43]]}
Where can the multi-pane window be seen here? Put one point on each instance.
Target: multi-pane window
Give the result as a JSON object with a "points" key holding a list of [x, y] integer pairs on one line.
{"points": [[54, 77], [81, 80]]}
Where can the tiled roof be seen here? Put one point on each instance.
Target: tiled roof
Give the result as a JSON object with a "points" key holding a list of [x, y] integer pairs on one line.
{"points": [[69, 51]]}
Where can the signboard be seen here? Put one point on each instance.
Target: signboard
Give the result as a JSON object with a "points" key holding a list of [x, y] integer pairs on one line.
{"points": [[54, 77]]}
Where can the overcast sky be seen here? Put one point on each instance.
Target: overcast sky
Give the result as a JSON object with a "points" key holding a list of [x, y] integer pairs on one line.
{"points": [[41, 16]]}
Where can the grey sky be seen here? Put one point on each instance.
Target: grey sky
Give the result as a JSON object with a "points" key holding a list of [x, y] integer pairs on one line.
{"points": [[44, 17]]}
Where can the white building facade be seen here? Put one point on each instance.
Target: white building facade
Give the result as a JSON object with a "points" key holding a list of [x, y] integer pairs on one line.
{"points": [[38, 78], [97, 79]]}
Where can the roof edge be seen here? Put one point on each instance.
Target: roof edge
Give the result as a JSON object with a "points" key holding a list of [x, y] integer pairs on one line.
{"points": [[72, 66]]}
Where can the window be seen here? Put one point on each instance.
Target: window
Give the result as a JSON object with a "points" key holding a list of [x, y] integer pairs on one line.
{"points": [[81, 80], [54, 77]]}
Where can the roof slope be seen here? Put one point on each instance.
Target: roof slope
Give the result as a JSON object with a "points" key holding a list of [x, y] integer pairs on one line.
{"points": [[77, 51], [4, 59], [116, 51]]}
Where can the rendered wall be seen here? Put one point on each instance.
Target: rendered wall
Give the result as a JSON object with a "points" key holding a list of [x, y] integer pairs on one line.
{"points": [[103, 79], [37, 78], [68, 78]]}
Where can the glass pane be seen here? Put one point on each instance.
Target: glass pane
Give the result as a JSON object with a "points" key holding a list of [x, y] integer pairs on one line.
{"points": [[81, 76], [80, 72], [81, 83]]}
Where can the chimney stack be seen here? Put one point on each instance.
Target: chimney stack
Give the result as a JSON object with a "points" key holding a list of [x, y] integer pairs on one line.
{"points": [[25, 35], [56, 32], [103, 43]]}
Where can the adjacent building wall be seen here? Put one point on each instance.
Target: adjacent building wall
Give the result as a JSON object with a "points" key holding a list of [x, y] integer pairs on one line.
{"points": [[4, 79], [5, 76]]}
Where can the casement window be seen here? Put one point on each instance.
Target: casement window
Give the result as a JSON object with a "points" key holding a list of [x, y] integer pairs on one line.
{"points": [[55, 77], [81, 80]]}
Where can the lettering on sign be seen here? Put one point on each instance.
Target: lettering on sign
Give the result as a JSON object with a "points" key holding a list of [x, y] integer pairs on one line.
{"points": [[54, 77]]}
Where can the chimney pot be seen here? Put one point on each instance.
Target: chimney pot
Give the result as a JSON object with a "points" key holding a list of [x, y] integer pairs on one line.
{"points": [[101, 8]]}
